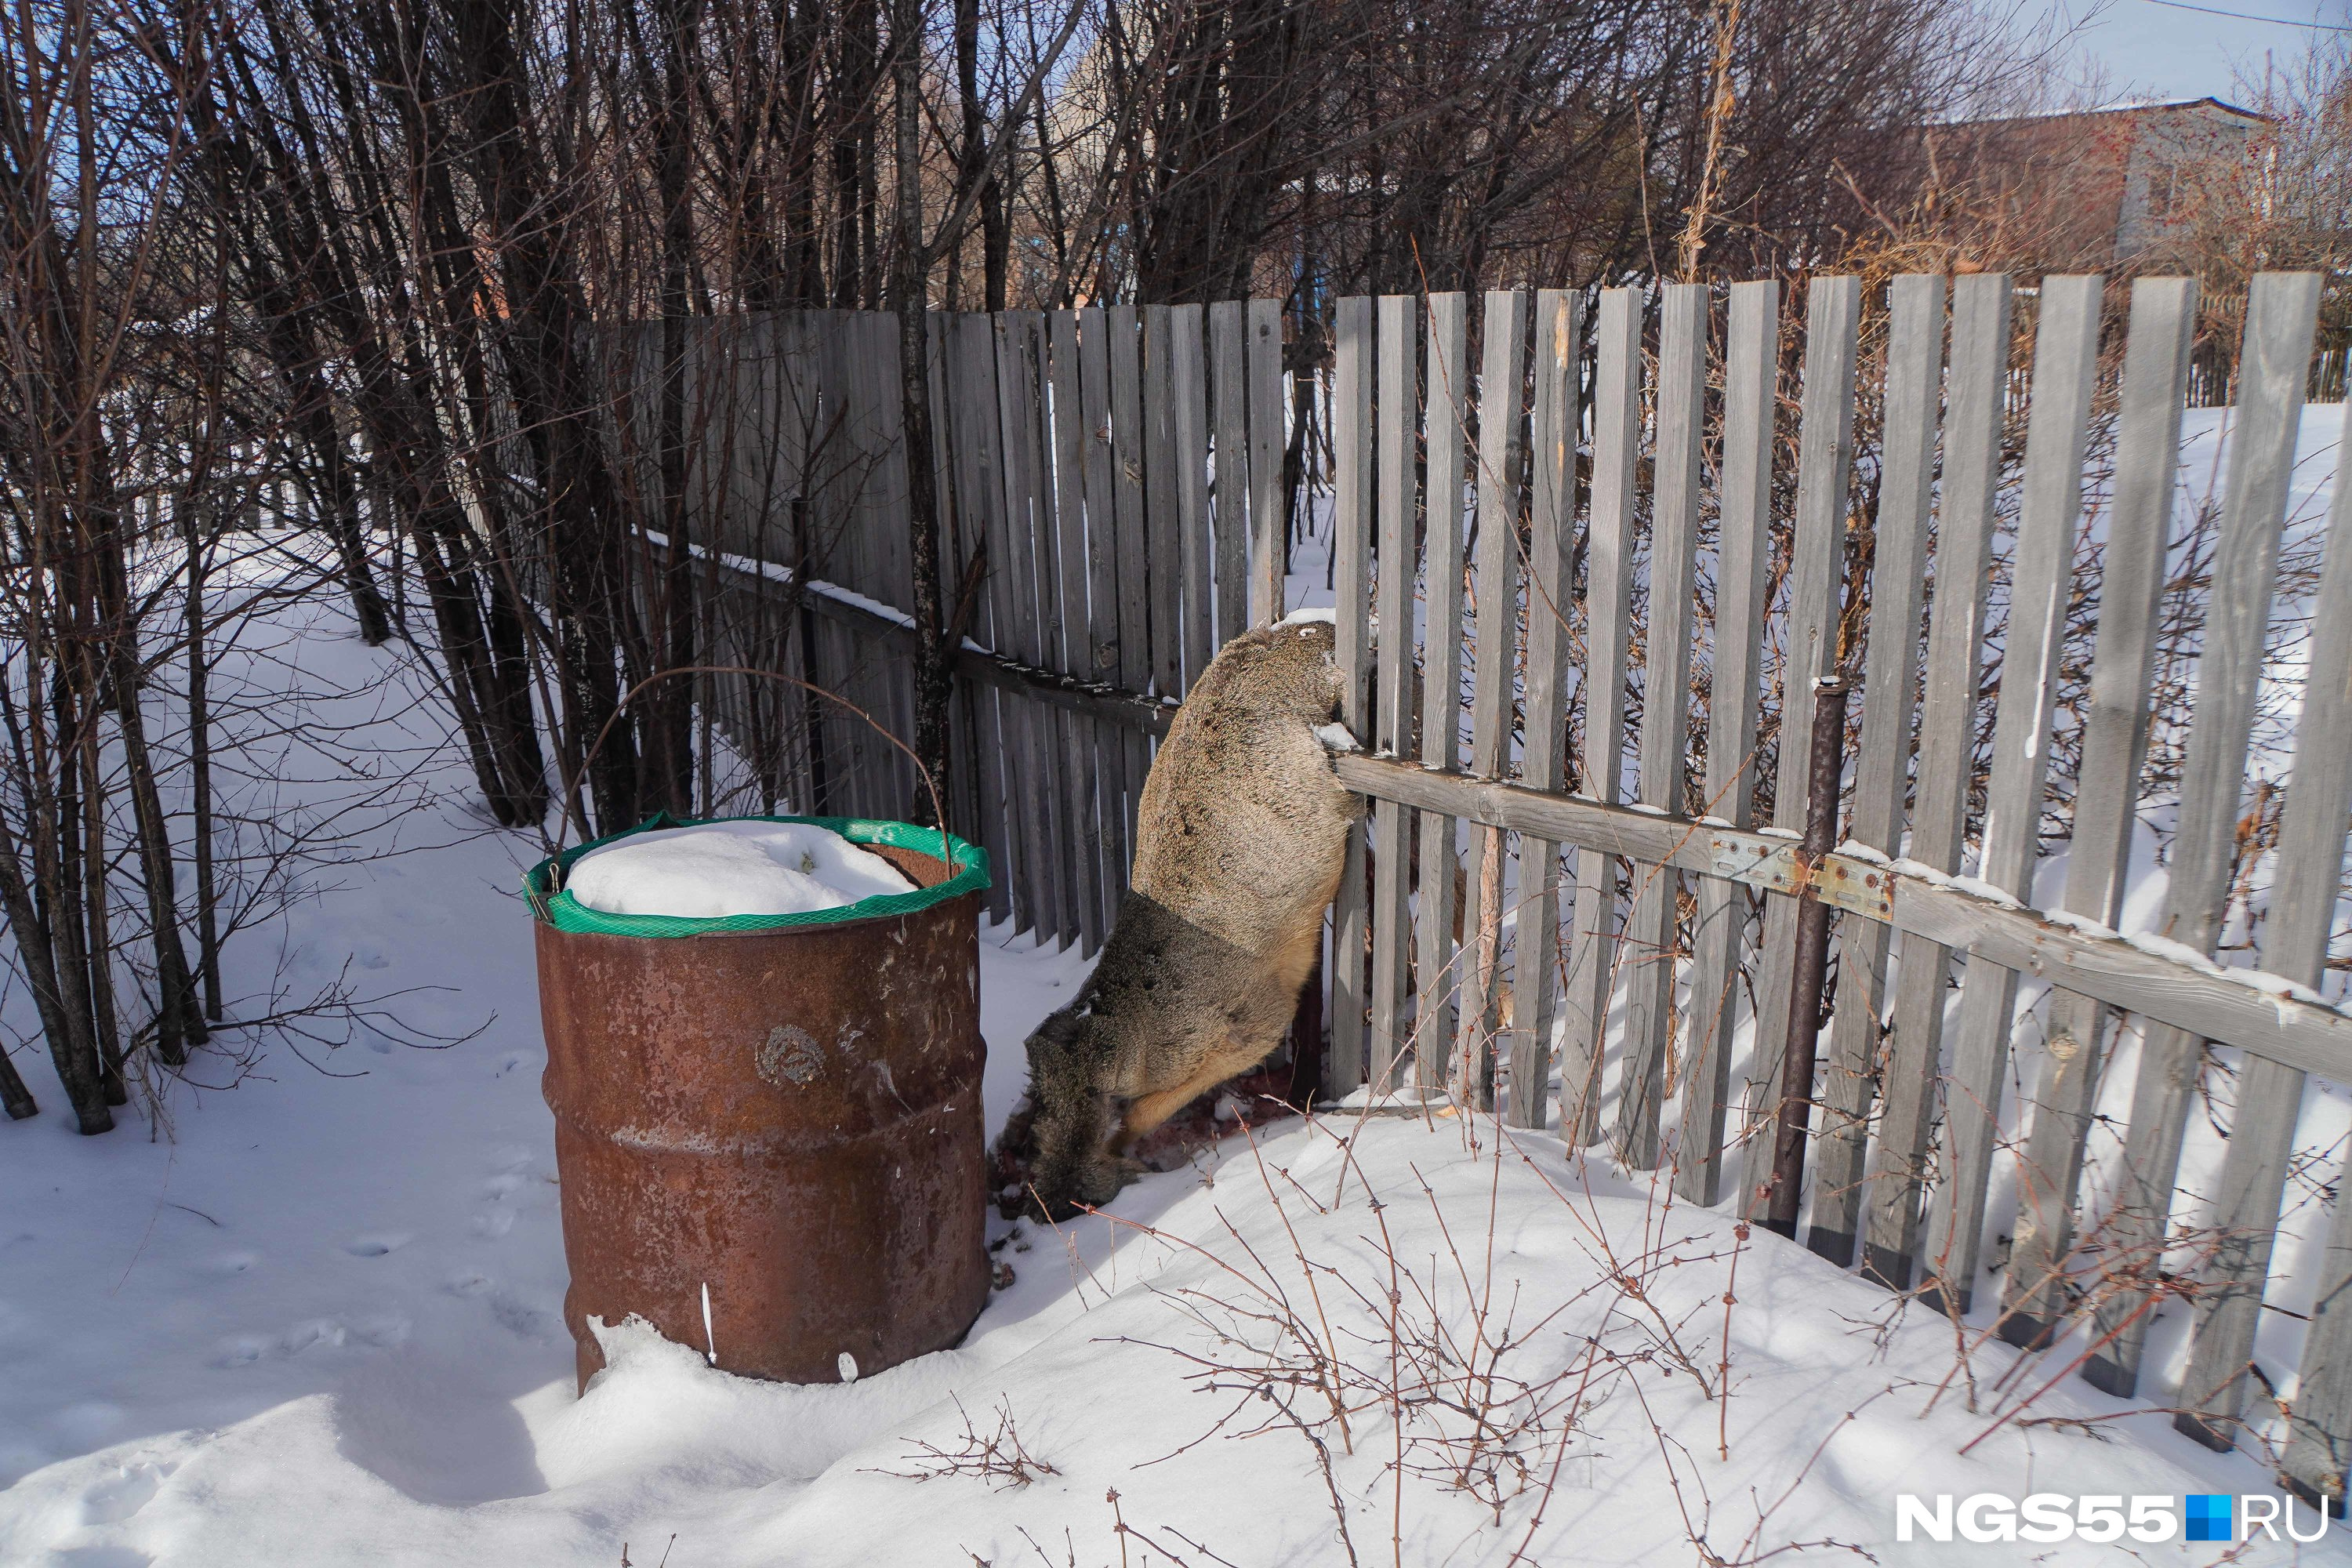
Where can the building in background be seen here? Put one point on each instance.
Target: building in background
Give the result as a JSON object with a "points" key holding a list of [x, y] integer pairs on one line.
{"points": [[2093, 189]]}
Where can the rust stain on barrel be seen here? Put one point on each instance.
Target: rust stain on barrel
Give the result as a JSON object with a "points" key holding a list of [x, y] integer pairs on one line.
{"points": [[791, 1118]]}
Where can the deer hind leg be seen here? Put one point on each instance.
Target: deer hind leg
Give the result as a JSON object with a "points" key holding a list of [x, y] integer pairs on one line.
{"points": [[1149, 1110]]}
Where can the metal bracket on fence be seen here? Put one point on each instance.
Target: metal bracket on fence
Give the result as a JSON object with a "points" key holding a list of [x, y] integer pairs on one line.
{"points": [[1771, 861]]}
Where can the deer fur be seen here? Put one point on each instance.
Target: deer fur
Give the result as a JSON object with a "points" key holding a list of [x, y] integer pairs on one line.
{"points": [[1241, 834]]}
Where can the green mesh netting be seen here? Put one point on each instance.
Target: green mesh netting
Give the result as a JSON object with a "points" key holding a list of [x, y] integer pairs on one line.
{"points": [[541, 886]]}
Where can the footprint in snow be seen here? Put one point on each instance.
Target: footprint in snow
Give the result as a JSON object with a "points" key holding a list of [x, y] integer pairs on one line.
{"points": [[466, 1282], [229, 1265], [492, 1223], [389, 1331], [376, 1243], [315, 1332], [239, 1350], [521, 1319], [132, 1488]]}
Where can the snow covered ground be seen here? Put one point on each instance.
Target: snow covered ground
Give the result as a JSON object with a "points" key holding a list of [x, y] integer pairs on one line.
{"points": [[315, 1319], [322, 1326]]}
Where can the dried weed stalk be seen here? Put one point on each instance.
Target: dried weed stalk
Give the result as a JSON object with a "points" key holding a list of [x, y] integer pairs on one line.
{"points": [[1000, 1457]]}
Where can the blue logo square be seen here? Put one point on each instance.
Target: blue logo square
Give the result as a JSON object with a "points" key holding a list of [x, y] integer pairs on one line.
{"points": [[2209, 1516]]}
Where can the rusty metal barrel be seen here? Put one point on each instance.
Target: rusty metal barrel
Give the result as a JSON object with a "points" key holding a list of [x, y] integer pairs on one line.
{"points": [[783, 1112]]}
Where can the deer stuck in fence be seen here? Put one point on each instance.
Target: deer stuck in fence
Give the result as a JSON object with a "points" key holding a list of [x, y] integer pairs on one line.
{"points": [[1586, 600]]}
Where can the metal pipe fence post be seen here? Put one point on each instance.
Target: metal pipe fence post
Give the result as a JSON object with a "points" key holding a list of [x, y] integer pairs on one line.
{"points": [[1825, 767]]}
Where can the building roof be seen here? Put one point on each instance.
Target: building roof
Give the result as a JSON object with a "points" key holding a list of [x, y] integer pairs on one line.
{"points": [[2127, 106]]}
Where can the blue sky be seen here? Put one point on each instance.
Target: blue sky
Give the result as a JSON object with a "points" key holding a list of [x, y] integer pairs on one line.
{"points": [[2154, 50]]}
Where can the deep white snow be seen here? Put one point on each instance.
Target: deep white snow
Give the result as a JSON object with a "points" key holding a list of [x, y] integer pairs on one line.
{"points": [[738, 867]]}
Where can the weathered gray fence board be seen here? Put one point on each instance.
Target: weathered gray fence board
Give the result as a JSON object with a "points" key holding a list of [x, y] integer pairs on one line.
{"points": [[1441, 741], [950, 469], [852, 554], [1351, 540], [975, 461], [2281, 309], [2106, 792], [1057, 729], [1035, 758], [1972, 430], [1188, 386], [2301, 919], [1914, 385], [881, 354], [856, 438], [840, 479], [1005, 552], [1229, 377], [1080, 780], [1743, 548], [1552, 523], [1101, 486], [1164, 605], [955, 487], [878, 364], [1650, 936], [879, 350], [1608, 593], [1391, 919], [1268, 549], [1809, 651], [2319, 796], [1061, 617], [1501, 444], [871, 353], [2065, 369], [1131, 551]]}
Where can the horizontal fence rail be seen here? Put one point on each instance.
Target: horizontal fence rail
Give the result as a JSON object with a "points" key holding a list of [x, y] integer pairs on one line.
{"points": [[1113, 484], [1907, 1121], [1591, 555]]}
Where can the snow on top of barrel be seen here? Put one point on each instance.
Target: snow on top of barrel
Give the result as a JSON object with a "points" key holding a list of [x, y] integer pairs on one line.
{"points": [[715, 870]]}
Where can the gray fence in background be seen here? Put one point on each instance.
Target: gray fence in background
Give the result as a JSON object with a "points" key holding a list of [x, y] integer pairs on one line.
{"points": [[1649, 564]]}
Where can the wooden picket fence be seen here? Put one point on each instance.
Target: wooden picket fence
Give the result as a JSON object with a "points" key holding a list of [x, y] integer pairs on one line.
{"points": [[1088, 598], [1533, 537]]}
